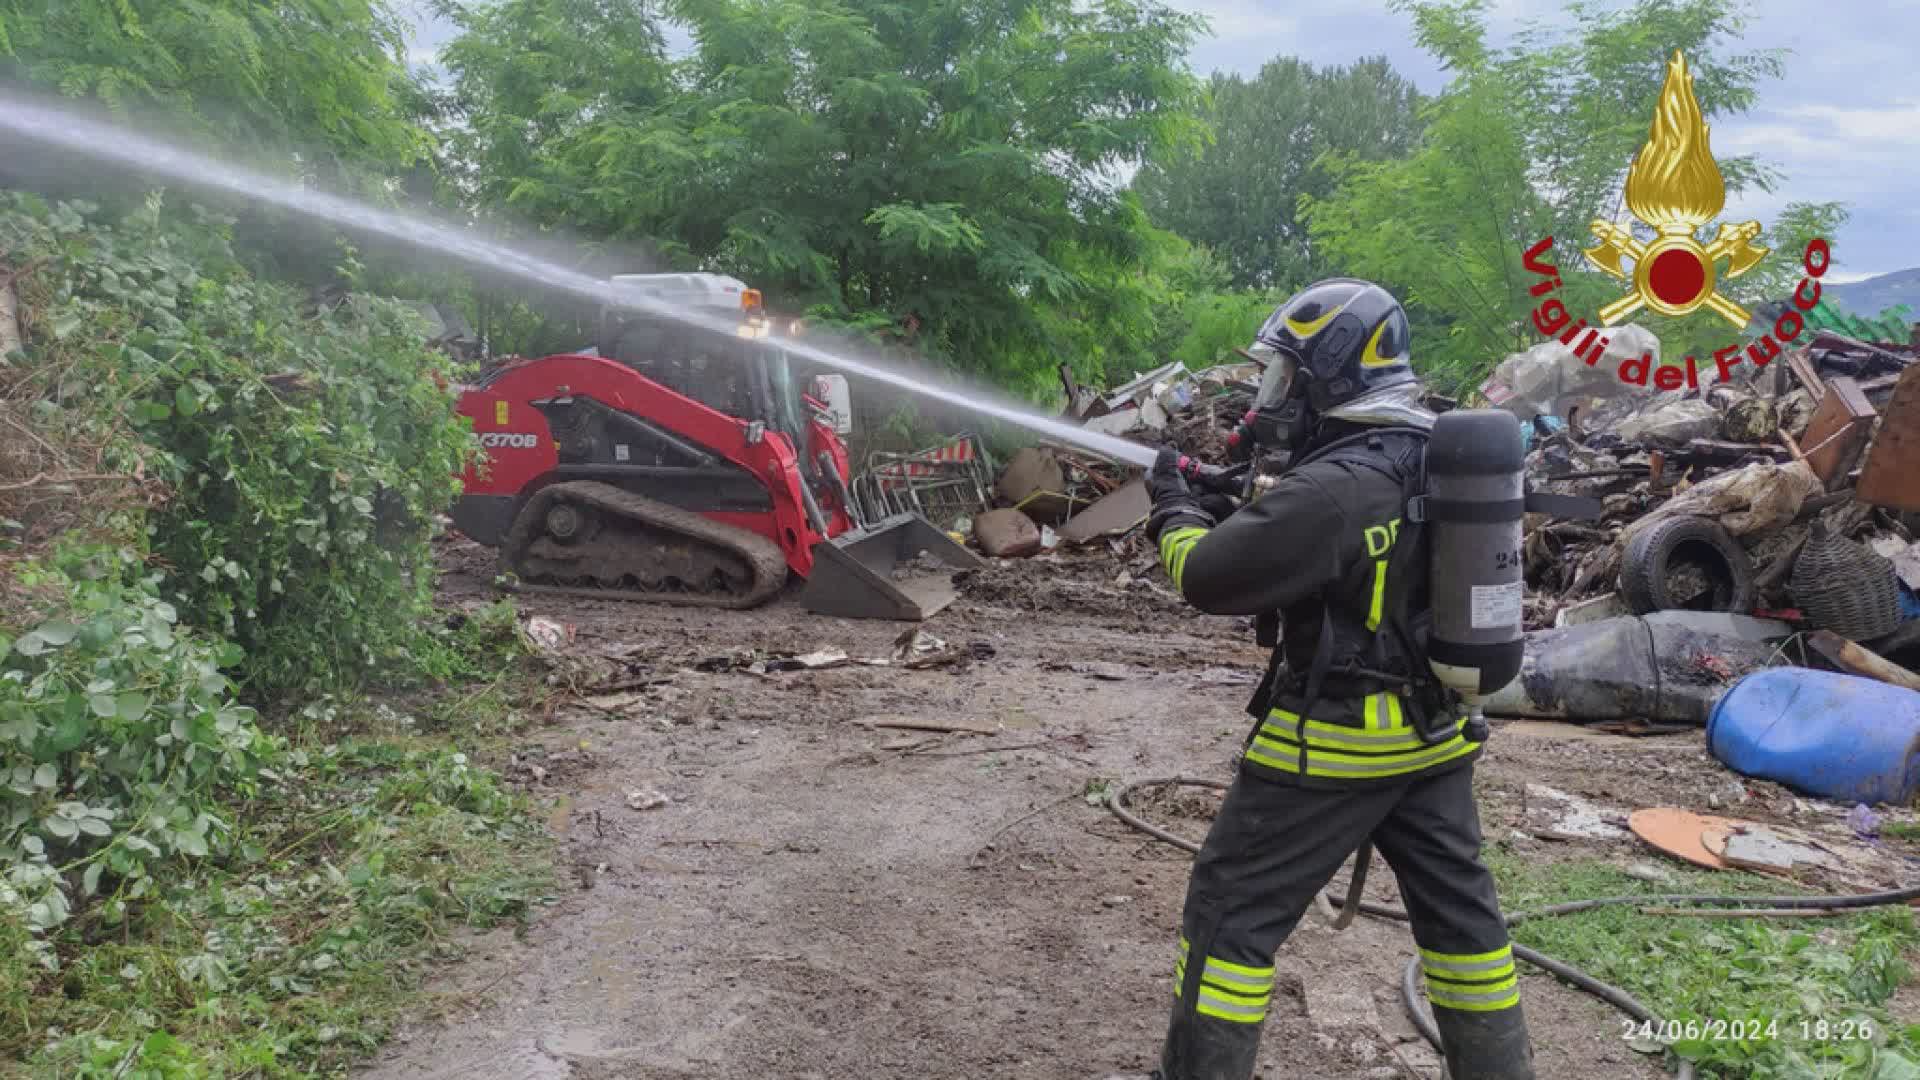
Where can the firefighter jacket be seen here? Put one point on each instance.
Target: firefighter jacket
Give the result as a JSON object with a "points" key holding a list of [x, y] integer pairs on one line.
{"points": [[1324, 549]]}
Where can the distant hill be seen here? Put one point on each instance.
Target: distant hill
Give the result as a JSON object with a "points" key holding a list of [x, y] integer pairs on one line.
{"points": [[1876, 294]]}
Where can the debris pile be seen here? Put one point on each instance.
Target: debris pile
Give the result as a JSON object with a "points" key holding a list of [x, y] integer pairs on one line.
{"points": [[1712, 491], [1073, 498]]}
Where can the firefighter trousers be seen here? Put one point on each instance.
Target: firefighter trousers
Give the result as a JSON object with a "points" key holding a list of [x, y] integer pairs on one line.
{"points": [[1272, 847]]}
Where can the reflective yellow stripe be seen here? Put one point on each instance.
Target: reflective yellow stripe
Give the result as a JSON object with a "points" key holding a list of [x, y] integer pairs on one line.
{"points": [[1262, 973], [1386, 729], [1329, 764], [1479, 965], [1228, 991], [1504, 994], [1343, 739], [1174, 547], [1379, 594], [1228, 1007]]}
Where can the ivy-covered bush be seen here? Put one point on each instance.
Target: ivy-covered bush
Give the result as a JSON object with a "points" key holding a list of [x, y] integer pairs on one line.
{"points": [[119, 736], [305, 443]]}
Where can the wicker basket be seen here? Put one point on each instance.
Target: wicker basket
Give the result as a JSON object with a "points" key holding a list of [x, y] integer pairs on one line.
{"points": [[1846, 587]]}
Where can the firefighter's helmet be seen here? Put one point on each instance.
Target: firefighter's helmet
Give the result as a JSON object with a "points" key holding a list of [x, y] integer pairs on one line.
{"points": [[1345, 336]]}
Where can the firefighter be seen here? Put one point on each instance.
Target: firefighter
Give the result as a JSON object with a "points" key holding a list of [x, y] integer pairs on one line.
{"points": [[1355, 739]]}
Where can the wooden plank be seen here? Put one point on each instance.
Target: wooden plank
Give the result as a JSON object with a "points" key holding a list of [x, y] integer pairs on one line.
{"points": [[1891, 477], [1861, 660], [1801, 364], [1838, 432]]}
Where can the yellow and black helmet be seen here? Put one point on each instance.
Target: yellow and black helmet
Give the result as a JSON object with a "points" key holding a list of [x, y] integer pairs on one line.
{"points": [[1345, 336]]}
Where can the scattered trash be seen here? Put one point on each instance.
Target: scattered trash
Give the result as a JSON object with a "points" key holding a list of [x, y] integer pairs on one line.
{"points": [[1671, 423], [1556, 815], [1859, 660], [1606, 606], [1664, 666], [1548, 379], [1679, 833], [1846, 587], [1863, 821], [1891, 475], [1752, 847], [1684, 561], [640, 799], [942, 484], [1104, 671], [820, 658], [1903, 554], [1116, 512], [1006, 534], [754, 663], [1822, 733], [549, 635], [1839, 431]]}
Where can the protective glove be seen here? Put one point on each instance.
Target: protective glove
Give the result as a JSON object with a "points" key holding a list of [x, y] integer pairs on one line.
{"points": [[1173, 501], [1165, 481]]}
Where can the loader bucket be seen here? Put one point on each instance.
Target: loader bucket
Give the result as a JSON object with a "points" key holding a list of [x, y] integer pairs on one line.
{"points": [[853, 573]]}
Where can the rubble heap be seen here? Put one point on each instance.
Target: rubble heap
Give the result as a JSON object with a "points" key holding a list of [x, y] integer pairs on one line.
{"points": [[1711, 493]]}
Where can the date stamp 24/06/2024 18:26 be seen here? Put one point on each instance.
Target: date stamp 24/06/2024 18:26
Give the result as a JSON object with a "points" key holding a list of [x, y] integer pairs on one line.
{"points": [[1749, 1030]]}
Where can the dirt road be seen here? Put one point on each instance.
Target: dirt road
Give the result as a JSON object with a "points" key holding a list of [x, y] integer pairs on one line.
{"points": [[820, 898]]}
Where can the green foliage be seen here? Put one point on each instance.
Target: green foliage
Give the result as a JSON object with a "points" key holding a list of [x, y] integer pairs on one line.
{"points": [[1532, 141], [941, 166], [305, 450], [119, 737], [1795, 973], [1239, 195], [291, 957], [324, 77]]}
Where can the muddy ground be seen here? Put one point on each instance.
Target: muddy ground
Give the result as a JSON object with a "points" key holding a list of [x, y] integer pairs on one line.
{"points": [[823, 897]]}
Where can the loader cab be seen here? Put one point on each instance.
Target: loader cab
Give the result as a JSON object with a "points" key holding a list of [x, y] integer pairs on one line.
{"points": [[728, 362]]}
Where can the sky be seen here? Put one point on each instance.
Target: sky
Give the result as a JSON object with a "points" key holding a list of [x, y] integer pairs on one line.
{"points": [[1844, 125]]}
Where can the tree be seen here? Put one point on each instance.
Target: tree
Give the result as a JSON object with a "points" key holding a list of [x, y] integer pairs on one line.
{"points": [[1530, 141], [1240, 194], [527, 74], [321, 78], [941, 169]]}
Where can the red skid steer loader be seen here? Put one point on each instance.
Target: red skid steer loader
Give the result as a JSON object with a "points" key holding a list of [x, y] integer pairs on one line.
{"points": [[678, 465]]}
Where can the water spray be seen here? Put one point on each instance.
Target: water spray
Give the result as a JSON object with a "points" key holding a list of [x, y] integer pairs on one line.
{"points": [[75, 133]]}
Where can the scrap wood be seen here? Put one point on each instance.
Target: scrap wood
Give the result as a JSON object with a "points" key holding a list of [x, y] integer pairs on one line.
{"points": [[910, 724], [1800, 362], [1860, 660], [1839, 431], [1891, 476], [1793, 448]]}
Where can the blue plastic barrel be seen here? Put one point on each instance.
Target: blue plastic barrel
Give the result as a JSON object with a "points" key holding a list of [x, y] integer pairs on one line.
{"points": [[1827, 734]]}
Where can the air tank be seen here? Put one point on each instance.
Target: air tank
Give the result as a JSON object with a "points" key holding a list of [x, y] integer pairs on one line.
{"points": [[1475, 501]]}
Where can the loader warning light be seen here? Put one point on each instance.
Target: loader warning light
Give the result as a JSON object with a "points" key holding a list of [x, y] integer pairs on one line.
{"points": [[750, 299]]}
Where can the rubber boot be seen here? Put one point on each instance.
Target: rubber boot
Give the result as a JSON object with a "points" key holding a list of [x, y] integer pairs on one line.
{"points": [[1202, 1048], [1485, 1045]]}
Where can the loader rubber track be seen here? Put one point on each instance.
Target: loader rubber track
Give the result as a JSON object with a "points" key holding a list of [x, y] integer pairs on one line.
{"points": [[622, 546]]}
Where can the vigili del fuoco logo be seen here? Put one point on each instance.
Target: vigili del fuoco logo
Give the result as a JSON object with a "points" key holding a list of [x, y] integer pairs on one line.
{"points": [[1675, 189]]}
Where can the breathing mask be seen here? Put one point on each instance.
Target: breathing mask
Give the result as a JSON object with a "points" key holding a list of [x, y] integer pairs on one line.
{"points": [[1281, 419]]}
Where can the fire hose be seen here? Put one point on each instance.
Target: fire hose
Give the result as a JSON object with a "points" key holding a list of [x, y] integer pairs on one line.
{"points": [[1409, 980]]}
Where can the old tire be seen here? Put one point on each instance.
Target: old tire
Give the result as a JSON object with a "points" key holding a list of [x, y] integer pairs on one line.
{"points": [[1663, 556]]}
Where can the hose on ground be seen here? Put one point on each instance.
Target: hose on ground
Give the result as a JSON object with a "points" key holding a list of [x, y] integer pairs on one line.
{"points": [[1409, 982]]}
